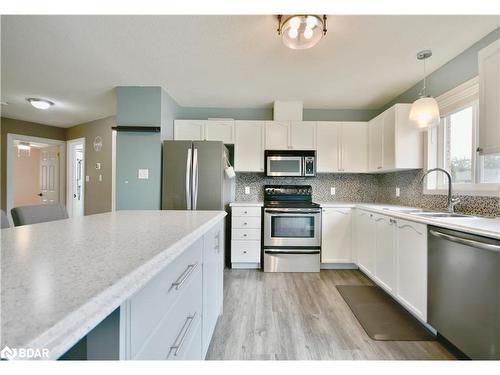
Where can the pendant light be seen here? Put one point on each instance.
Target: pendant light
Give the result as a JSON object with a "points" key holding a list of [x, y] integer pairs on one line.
{"points": [[424, 111], [301, 31]]}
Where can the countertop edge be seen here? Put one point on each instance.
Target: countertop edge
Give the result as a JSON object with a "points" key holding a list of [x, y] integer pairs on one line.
{"points": [[67, 332]]}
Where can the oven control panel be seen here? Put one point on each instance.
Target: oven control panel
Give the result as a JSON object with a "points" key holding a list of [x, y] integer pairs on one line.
{"points": [[284, 192]]}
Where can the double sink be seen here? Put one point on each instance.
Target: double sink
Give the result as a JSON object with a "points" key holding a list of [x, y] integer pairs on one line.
{"points": [[426, 213]]}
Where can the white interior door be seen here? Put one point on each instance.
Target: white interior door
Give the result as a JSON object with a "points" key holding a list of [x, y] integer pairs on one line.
{"points": [[49, 175]]}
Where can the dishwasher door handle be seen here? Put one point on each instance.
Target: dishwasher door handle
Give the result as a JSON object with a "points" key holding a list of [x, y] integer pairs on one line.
{"points": [[466, 241]]}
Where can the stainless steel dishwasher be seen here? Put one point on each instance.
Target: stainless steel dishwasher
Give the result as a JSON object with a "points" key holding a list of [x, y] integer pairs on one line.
{"points": [[464, 291]]}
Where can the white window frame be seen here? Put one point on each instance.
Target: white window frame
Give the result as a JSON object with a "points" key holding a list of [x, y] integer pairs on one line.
{"points": [[450, 102]]}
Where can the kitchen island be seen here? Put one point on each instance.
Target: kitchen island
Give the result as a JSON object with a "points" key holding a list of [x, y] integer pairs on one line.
{"points": [[61, 279]]}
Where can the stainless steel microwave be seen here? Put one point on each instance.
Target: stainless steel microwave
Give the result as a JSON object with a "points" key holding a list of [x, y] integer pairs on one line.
{"points": [[290, 163]]}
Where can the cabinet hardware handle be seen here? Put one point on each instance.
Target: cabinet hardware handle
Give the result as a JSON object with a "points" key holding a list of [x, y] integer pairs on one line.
{"points": [[244, 251], [181, 337], [185, 275], [246, 212], [244, 234], [379, 167], [245, 223]]}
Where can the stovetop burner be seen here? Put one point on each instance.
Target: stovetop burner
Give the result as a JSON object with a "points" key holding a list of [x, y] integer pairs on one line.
{"points": [[291, 196]]}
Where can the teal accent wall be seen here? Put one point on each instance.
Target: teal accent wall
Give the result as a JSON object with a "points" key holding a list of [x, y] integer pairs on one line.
{"points": [[309, 114], [170, 111], [139, 106], [456, 71], [136, 151]]}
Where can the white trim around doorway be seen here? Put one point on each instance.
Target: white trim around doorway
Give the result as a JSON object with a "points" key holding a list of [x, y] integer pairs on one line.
{"points": [[69, 173]]}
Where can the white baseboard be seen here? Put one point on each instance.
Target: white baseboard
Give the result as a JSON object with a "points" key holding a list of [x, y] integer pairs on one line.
{"points": [[339, 266]]}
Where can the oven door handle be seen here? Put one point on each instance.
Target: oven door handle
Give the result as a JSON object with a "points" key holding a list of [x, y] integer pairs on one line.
{"points": [[304, 211], [291, 251]]}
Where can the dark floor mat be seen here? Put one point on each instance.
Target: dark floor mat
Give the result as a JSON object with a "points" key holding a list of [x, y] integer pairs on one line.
{"points": [[381, 317]]}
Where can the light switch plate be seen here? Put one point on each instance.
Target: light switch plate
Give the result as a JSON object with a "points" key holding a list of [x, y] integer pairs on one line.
{"points": [[143, 174], [97, 166], [87, 178], [100, 178], [398, 192], [247, 190], [332, 191]]}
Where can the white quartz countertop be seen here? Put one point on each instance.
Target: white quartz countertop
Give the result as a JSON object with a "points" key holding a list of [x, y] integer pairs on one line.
{"points": [[246, 204], [60, 279]]}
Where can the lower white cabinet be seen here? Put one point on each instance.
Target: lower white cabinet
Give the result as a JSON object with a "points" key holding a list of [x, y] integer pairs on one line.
{"points": [[173, 317], [393, 253], [364, 232], [385, 252], [411, 266], [245, 236], [336, 235]]}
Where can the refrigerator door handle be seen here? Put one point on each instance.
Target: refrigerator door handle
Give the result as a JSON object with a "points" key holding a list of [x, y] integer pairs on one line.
{"points": [[195, 179], [188, 179]]}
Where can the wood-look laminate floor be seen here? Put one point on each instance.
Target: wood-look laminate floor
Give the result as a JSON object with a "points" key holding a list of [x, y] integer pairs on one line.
{"points": [[289, 316]]}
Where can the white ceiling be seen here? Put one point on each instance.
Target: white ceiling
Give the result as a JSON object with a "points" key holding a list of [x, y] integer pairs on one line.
{"points": [[218, 61]]}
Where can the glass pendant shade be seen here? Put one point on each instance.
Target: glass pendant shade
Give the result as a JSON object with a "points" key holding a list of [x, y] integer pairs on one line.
{"points": [[424, 113], [302, 31]]}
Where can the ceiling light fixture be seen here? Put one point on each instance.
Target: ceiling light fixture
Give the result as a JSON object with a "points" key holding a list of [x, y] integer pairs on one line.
{"points": [[424, 111], [301, 31], [40, 103]]}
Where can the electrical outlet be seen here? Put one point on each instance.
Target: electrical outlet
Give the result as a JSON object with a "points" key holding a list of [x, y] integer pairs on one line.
{"points": [[100, 178], [398, 192], [247, 190], [87, 178], [332, 191]]}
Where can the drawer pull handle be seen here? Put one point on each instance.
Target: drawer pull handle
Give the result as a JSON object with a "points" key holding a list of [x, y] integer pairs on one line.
{"points": [[245, 212], [244, 234], [181, 337], [245, 223], [244, 251], [185, 275]]}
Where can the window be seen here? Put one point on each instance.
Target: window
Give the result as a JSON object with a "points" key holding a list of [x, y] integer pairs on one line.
{"points": [[452, 146]]}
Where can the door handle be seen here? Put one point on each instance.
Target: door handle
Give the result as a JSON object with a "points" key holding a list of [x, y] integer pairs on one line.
{"points": [[40, 194], [195, 179], [188, 179]]}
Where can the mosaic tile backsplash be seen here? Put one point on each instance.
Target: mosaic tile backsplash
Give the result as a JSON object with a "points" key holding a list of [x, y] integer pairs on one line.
{"points": [[368, 188]]}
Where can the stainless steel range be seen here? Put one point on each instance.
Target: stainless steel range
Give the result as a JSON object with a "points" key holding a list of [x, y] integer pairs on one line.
{"points": [[292, 229]]}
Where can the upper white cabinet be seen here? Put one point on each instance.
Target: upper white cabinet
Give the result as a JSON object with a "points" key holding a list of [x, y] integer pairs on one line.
{"points": [[204, 130], [489, 98], [411, 266], [189, 130], [375, 139], [249, 146], [303, 135], [341, 146], [220, 130], [327, 143], [336, 235], [394, 143], [290, 135]]}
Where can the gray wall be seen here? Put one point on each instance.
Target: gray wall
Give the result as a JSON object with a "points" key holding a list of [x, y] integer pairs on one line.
{"points": [[456, 71]]}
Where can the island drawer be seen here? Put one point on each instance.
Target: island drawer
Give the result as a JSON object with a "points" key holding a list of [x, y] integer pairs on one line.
{"points": [[245, 251], [178, 335], [246, 222], [151, 303], [246, 211], [245, 234]]}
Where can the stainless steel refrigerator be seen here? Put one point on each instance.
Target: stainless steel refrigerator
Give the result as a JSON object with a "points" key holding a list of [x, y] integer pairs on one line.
{"points": [[194, 176]]}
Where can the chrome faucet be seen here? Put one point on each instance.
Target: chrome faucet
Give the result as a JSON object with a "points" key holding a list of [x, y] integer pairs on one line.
{"points": [[451, 201]]}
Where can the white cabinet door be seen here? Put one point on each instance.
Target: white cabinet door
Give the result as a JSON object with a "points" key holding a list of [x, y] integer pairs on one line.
{"points": [[385, 252], [303, 135], [277, 135], [354, 146], [389, 139], [489, 98], [249, 146], [365, 246], [222, 130], [336, 235], [212, 283], [327, 146], [375, 142], [411, 265], [189, 130]]}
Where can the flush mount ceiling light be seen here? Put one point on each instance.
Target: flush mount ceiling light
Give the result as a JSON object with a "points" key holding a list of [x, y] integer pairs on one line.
{"points": [[301, 31], [424, 111], [40, 103]]}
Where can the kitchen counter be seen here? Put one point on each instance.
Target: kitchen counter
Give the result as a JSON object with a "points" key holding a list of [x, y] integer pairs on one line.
{"points": [[60, 279], [488, 227], [246, 204]]}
